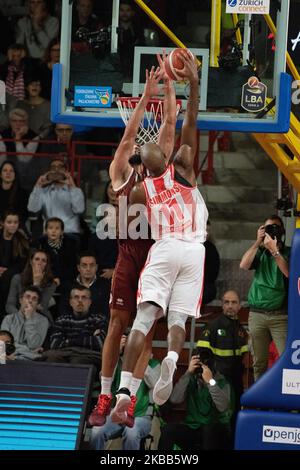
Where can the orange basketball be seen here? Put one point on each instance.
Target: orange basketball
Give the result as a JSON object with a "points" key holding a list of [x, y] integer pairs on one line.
{"points": [[174, 61]]}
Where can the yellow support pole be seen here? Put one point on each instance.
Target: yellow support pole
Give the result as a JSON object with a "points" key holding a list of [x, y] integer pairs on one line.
{"points": [[215, 32], [289, 60], [159, 23], [162, 25], [238, 35]]}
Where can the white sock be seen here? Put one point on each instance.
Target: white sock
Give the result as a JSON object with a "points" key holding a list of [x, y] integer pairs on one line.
{"points": [[126, 378], [106, 385], [134, 385], [173, 355]]}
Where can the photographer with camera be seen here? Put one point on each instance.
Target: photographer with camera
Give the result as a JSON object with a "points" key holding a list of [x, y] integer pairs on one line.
{"points": [[267, 297], [56, 195], [9, 343], [84, 22], [209, 407]]}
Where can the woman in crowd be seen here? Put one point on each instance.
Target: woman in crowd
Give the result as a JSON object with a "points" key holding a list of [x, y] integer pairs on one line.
{"points": [[51, 57], [37, 272], [37, 107], [37, 28], [14, 248], [12, 196]]}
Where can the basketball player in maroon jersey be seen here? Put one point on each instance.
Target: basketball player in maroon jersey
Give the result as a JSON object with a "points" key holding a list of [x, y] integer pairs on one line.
{"points": [[132, 253], [173, 274]]}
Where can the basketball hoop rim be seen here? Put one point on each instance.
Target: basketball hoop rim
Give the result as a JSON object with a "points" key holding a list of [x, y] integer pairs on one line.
{"points": [[136, 99], [153, 116]]}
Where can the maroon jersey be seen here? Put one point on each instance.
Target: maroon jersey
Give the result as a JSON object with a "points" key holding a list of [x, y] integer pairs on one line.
{"points": [[132, 254]]}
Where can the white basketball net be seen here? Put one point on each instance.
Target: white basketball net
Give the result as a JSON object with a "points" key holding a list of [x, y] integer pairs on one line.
{"points": [[153, 118]]}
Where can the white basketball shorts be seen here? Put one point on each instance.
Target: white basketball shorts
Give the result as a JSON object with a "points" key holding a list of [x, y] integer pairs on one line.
{"points": [[173, 276]]}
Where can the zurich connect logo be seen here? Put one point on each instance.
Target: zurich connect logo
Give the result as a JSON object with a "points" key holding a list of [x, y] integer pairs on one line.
{"points": [[232, 3]]}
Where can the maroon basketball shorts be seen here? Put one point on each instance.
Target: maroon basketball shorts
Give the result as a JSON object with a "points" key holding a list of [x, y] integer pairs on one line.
{"points": [[131, 259]]}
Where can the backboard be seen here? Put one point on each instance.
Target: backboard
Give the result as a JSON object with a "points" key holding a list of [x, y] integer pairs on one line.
{"points": [[94, 63]]}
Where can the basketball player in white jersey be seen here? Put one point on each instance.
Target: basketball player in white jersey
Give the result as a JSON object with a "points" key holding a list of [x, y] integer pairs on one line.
{"points": [[132, 252], [173, 273]]}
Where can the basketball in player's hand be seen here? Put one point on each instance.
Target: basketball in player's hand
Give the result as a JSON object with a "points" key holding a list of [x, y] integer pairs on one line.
{"points": [[174, 61]]}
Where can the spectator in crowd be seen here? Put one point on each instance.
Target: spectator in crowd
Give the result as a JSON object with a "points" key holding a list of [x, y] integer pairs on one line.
{"points": [[131, 35], [28, 327], [14, 70], [14, 248], [61, 250], [62, 135], [10, 103], [25, 141], [138, 420], [83, 17], [37, 272], [106, 250], [36, 29], [56, 195], [87, 277], [12, 196], [211, 268], [50, 58], [209, 407], [78, 335], [267, 297], [9, 341], [37, 108], [228, 340]]}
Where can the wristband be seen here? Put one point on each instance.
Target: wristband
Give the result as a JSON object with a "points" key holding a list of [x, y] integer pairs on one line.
{"points": [[275, 254]]}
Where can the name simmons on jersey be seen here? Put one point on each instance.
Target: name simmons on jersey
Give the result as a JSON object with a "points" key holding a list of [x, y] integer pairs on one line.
{"points": [[164, 196]]}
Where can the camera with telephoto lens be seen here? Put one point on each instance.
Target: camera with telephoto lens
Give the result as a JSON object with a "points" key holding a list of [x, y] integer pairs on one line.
{"points": [[206, 356], [9, 348], [94, 39], [275, 231], [232, 59]]}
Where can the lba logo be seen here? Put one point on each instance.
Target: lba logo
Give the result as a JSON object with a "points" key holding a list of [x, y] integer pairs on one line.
{"points": [[280, 434], [232, 3]]}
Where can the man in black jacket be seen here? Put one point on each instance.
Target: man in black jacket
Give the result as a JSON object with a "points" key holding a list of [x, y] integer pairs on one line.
{"points": [[228, 340], [87, 277], [78, 335]]}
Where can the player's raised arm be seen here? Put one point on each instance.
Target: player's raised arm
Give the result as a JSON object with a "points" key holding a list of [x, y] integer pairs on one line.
{"points": [[188, 142], [189, 126], [120, 168], [166, 137]]}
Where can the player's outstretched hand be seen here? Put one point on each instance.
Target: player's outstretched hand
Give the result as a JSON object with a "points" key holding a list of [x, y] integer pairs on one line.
{"points": [[152, 79], [161, 61], [189, 70]]}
